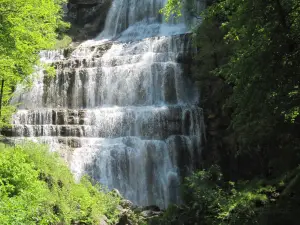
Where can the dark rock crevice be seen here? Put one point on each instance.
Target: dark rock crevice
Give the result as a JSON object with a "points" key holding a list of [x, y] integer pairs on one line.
{"points": [[87, 18]]}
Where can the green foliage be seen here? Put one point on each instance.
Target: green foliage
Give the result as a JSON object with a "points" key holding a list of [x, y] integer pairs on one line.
{"points": [[264, 66], [219, 202], [36, 187], [63, 42], [172, 8], [26, 27], [6, 112], [253, 46], [49, 71], [209, 199], [188, 8]]}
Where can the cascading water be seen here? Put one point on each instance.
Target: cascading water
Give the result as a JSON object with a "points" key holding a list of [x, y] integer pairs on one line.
{"points": [[120, 111]]}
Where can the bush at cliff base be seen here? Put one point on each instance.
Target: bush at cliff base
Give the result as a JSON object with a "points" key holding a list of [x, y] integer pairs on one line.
{"points": [[36, 187]]}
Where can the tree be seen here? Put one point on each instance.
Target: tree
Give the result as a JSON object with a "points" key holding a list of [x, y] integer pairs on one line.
{"points": [[263, 67], [26, 27], [254, 46]]}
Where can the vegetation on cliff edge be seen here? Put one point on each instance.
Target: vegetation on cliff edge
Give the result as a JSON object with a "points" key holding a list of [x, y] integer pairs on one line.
{"points": [[36, 187]]}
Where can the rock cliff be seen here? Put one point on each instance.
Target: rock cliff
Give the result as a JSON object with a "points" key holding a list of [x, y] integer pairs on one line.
{"points": [[87, 17]]}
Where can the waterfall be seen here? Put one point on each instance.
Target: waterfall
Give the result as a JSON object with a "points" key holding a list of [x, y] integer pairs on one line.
{"points": [[120, 110], [134, 19]]}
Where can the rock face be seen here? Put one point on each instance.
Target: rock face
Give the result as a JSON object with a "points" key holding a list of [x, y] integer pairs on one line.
{"points": [[130, 214], [220, 137], [87, 17]]}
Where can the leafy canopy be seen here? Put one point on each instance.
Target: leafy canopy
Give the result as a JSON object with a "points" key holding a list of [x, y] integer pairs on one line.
{"points": [[254, 47], [26, 27]]}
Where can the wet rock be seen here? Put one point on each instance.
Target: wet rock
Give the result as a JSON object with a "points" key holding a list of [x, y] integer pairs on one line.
{"points": [[184, 58], [74, 143], [120, 209], [116, 193], [71, 120], [147, 213], [67, 52], [126, 203], [170, 86], [72, 112], [62, 141], [103, 220], [7, 132], [187, 123], [152, 208], [124, 220], [59, 118], [64, 131], [150, 212], [87, 17], [82, 121], [138, 209]]}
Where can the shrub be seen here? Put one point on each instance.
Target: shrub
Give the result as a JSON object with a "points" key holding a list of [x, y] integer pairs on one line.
{"points": [[36, 187], [64, 42], [210, 200], [216, 201]]}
